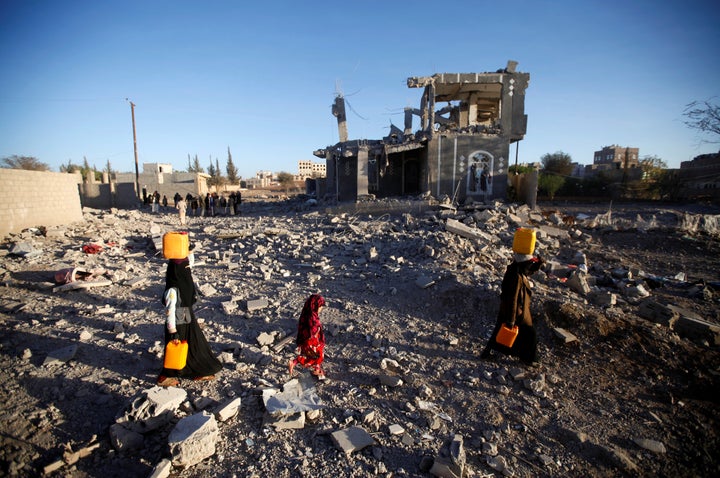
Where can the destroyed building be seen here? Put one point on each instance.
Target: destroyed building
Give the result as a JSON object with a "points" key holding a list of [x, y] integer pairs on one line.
{"points": [[461, 150]]}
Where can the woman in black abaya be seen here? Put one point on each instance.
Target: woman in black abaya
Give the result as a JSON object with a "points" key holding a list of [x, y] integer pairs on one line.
{"points": [[181, 324]]}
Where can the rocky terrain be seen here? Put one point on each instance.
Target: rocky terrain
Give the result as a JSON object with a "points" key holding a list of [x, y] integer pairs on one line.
{"points": [[627, 313]]}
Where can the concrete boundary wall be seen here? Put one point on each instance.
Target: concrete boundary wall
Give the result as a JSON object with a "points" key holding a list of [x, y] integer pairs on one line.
{"points": [[37, 198]]}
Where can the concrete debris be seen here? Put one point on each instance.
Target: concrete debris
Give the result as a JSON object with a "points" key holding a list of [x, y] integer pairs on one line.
{"points": [[411, 300], [298, 395], [450, 463], [60, 356], [193, 439], [652, 445], [152, 408], [256, 304], [565, 336], [162, 469], [352, 439], [123, 439]]}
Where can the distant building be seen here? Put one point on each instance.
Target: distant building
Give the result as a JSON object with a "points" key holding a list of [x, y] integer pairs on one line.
{"points": [[616, 157], [261, 180], [311, 169], [700, 178]]}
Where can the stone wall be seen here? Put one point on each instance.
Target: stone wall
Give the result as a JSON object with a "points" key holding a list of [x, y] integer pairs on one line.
{"points": [[37, 198]]}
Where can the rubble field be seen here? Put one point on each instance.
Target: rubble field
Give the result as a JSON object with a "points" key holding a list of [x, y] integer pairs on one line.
{"points": [[627, 312]]}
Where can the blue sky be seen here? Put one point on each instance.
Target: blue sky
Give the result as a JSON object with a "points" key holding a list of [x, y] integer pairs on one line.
{"points": [[259, 77]]}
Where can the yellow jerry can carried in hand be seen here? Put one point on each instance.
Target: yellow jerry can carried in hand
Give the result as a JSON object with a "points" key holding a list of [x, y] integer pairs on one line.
{"points": [[176, 245], [506, 336], [176, 355], [524, 241]]}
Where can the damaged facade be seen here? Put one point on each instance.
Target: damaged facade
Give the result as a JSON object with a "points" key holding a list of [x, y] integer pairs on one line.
{"points": [[461, 150]]}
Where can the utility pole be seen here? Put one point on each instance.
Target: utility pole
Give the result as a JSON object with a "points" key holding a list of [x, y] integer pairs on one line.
{"points": [[137, 173]]}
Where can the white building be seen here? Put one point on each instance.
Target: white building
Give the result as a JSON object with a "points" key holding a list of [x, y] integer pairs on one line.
{"points": [[311, 169]]}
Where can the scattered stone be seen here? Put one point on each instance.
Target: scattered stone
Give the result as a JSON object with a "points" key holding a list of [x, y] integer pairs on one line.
{"points": [[162, 469], [256, 304], [565, 336], [652, 445], [123, 439], [352, 439], [193, 439], [227, 410], [60, 356]]}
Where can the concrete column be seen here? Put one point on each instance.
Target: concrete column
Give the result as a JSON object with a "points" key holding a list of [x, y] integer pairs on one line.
{"points": [[362, 171]]}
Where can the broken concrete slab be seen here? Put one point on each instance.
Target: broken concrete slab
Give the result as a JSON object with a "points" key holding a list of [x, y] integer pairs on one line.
{"points": [[227, 410], [123, 439], [60, 356], [578, 282], [450, 463], [659, 313], [256, 304], [456, 227], [294, 421], [352, 439], [298, 395], [162, 469], [565, 336], [193, 439], [424, 282], [152, 408], [265, 339]]}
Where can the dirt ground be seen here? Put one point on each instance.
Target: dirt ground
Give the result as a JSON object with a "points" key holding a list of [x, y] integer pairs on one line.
{"points": [[628, 398]]}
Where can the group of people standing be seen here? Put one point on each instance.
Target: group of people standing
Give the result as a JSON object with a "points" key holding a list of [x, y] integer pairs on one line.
{"points": [[208, 205]]}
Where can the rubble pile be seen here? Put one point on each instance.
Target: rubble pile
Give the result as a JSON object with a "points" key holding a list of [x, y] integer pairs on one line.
{"points": [[627, 311]]}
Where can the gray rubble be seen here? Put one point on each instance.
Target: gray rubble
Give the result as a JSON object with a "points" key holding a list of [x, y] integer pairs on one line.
{"points": [[411, 300]]}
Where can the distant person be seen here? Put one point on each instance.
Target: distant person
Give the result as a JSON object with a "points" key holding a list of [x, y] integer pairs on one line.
{"points": [[177, 199], [164, 202], [231, 203], [515, 297], [182, 210], [156, 202], [310, 338], [181, 324]]}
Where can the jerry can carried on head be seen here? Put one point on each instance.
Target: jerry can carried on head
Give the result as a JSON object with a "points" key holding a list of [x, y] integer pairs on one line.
{"points": [[176, 355], [524, 241], [176, 245], [506, 335]]}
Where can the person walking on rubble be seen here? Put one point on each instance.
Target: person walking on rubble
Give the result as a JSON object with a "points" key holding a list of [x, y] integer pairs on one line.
{"points": [[515, 296], [310, 339], [181, 324], [182, 210]]}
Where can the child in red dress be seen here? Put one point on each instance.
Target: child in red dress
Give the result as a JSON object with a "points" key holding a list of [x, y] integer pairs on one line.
{"points": [[310, 338]]}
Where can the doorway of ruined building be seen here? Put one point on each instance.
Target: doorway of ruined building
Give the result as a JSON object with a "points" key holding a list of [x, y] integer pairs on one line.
{"points": [[400, 175], [411, 176]]}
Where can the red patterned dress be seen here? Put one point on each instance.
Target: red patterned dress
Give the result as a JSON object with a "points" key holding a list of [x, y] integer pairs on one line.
{"points": [[310, 338]]}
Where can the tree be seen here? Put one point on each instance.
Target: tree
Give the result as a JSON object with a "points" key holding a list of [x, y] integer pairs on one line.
{"points": [[29, 163], [653, 181], [196, 168], [550, 183], [219, 179], [231, 170], [70, 167], [286, 180], [558, 162], [556, 167], [211, 171], [704, 116], [190, 166]]}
